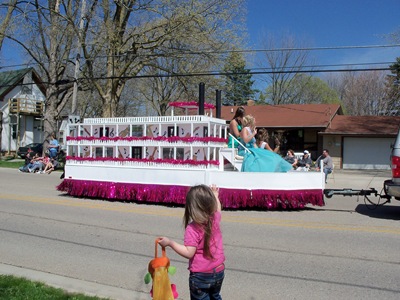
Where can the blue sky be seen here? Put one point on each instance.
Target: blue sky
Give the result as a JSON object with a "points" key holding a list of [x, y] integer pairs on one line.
{"points": [[323, 23], [316, 23]]}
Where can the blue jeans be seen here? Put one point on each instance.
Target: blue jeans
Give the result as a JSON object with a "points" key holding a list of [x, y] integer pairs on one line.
{"points": [[52, 152], [327, 171], [206, 286]]}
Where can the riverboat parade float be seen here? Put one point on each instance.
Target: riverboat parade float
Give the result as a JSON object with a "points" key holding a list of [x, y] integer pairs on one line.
{"points": [[156, 159]]}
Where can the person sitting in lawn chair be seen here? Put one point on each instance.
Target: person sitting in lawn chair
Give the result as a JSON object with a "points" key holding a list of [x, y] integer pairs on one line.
{"points": [[305, 162]]}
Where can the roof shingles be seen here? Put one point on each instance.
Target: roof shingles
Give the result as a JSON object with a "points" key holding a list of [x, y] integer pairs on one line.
{"points": [[288, 116]]}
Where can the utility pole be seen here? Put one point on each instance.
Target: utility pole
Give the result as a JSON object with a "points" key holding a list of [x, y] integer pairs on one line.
{"points": [[77, 59]]}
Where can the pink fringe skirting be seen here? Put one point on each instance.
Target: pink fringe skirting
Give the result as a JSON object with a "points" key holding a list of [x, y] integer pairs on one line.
{"points": [[175, 194]]}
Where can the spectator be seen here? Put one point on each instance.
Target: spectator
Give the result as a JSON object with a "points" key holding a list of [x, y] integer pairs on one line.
{"points": [[53, 146], [305, 162], [28, 159], [39, 164], [327, 163], [291, 158], [50, 166]]}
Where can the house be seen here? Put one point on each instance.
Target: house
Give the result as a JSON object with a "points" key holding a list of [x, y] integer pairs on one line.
{"points": [[361, 142], [22, 96], [354, 142]]}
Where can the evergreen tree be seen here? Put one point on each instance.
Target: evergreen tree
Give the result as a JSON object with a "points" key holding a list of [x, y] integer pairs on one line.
{"points": [[238, 82]]}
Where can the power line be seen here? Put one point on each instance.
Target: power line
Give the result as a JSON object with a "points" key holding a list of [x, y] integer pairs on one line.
{"points": [[291, 49], [216, 73], [250, 72], [191, 52]]}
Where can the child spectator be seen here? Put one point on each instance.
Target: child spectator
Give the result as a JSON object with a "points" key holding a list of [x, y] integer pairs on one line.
{"points": [[203, 244], [39, 164], [50, 166]]}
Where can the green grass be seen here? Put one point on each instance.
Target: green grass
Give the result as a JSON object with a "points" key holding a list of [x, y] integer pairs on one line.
{"points": [[15, 288], [11, 164]]}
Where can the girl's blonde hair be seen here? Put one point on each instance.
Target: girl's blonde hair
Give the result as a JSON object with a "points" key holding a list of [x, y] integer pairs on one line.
{"points": [[200, 206], [248, 120]]}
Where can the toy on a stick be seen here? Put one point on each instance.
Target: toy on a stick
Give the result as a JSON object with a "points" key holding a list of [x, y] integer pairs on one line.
{"points": [[159, 268]]}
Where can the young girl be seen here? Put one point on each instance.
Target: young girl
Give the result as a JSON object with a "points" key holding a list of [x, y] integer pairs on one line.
{"points": [[247, 135], [202, 242], [262, 138]]}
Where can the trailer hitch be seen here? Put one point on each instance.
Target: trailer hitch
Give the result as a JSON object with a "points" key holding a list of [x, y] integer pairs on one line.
{"points": [[351, 192]]}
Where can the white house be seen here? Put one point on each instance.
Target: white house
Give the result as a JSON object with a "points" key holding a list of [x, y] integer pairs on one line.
{"points": [[22, 97]]}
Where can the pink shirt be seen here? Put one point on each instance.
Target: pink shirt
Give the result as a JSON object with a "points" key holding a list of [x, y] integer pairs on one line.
{"points": [[194, 237]]}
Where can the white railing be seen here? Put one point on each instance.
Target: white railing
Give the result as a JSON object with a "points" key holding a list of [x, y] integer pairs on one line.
{"points": [[153, 120], [236, 140], [142, 164], [231, 154]]}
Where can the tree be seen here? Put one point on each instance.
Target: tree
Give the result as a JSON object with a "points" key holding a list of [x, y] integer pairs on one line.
{"points": [[118, 40], [362, 93], [284, 62], [158, 91], [305, 89], [5, 23], [238, 82], [46, 34], [131, 37], [393, 89]]}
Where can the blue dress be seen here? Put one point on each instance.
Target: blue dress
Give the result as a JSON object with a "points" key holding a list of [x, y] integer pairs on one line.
{"points": [[261, 160], [231, 140]]}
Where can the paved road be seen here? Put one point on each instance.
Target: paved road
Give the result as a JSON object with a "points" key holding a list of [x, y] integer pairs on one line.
{"points": [[343, 250]]}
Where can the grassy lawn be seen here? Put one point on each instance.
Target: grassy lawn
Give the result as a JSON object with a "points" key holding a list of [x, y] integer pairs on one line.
{"points": [[15, 288], [11, 164]]}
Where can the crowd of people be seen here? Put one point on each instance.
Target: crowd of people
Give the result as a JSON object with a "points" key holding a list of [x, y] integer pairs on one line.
{"points": [[39, 164], [252, 143], [34, 163]]}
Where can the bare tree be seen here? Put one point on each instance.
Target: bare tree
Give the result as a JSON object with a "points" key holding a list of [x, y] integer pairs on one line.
{"points": [[362, 93], [118, 40], [177, 80], [284, 62], [46, 34], [123, 39], [6, 18]]}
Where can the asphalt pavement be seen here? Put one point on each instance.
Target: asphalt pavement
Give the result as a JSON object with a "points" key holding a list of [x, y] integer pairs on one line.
{"points": [[353, 179]]}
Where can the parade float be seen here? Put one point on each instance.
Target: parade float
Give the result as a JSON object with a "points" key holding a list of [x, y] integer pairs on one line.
{"points": [[156, 159]]}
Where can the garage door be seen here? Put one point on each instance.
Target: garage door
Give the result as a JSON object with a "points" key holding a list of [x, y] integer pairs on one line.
{"points": [[367, 153]]}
